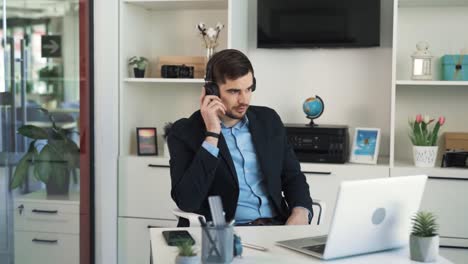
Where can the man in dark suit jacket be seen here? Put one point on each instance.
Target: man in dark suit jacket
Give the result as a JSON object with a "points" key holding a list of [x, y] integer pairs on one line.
{"points": [[237, 151]]}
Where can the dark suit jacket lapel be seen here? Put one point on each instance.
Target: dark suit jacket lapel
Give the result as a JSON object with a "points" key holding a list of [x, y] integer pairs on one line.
{"points": [[259, 138], [224, 151]]}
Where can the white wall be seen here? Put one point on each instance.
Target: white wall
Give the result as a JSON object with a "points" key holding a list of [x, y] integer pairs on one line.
{"points": [[106, 83], [343, 78]]}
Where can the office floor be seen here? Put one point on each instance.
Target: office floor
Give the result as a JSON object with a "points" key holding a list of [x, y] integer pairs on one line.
{"points": [[457, 256]]}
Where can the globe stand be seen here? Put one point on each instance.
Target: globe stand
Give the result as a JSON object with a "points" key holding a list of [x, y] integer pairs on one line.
{"points": [[312, 123]]}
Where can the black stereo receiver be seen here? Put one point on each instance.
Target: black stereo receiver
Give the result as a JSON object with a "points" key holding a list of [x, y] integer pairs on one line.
{"points": [[319, 143], [455, 159]]}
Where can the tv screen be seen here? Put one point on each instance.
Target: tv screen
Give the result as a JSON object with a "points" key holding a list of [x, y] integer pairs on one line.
{"points": [[318, 23]]}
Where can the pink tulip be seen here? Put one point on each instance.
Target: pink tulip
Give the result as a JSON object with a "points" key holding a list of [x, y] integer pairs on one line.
{"points": [[441, 120], [419, 118]]}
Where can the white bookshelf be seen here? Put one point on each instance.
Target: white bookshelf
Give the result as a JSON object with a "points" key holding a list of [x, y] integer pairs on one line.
{"points": [[439, 23], [166, 5], [164, 80]]}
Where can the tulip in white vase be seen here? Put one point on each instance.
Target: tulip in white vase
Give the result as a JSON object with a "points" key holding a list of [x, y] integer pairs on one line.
{"points": [[424, 139]]}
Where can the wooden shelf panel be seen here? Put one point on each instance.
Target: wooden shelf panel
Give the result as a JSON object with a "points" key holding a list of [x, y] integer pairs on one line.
{"points": [[163, 80], [179, 4]]}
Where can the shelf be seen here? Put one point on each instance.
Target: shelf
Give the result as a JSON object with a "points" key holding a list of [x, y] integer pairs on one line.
{"points": [[305, 166], [431, 83], [432, 3], [450, 173], [179, 4], [163, 80]]}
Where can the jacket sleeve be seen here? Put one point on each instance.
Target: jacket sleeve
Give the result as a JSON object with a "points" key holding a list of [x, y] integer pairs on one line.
{"points": [[192, 173]]}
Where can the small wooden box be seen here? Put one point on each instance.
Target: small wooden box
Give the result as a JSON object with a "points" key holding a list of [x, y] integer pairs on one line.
{"points": [[198, 63], [458, 141]]}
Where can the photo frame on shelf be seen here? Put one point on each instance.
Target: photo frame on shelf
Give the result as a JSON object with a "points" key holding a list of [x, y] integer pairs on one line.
{"points": [[365, 148], [147, 144]]}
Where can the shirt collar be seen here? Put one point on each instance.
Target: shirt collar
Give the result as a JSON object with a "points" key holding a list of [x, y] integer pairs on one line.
{"points": [[244, 122]]}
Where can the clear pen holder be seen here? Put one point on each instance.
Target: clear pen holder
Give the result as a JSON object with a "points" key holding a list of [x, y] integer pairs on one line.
{"points": [[217, 244]]}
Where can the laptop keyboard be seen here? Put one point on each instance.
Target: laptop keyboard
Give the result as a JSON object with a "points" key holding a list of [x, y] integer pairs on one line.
{"points": [[316, 248]]}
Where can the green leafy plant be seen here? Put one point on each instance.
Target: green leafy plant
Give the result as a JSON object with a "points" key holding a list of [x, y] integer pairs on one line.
{"points": [[421, 134], [424, 224], [186, 249], [57, 156], [138, 62]]}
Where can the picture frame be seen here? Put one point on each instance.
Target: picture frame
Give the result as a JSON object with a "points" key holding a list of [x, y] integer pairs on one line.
{"points": [[366, 143], [147, 144]]}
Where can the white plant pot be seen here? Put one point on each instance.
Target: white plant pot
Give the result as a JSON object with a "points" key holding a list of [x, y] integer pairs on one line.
{"points": [[425, 156], [424, 249], [187, 260]]}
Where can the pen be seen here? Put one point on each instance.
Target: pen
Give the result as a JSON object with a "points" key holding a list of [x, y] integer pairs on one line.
{"points": [[207, 233], [247, 245]]}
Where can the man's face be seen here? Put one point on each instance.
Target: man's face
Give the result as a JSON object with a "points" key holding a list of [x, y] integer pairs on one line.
{"points": [[236, 95]]}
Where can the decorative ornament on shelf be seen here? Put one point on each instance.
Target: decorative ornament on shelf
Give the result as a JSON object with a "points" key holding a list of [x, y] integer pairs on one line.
{"points": [[424, 239], [210, 37], [313, 107], [424, 139], [139, 65], [421, 62]]}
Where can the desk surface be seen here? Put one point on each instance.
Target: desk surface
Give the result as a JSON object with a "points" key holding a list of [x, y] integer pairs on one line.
{"points": [[266, 237]]}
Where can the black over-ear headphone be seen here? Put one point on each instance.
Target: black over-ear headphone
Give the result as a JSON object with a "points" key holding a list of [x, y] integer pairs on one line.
{"points": [[211, 87]]}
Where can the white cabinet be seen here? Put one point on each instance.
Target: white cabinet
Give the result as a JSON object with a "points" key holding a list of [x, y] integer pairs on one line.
{"points": [[46, 228], [324, 182], [145, 188], [134, 239], [446, 197]]}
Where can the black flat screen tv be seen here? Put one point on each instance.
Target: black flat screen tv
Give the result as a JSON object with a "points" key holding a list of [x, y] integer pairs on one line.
{"points": [[318, 23]]}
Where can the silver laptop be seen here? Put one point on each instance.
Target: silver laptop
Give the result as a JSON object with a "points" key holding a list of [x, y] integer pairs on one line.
{"points": [[370, 215]]}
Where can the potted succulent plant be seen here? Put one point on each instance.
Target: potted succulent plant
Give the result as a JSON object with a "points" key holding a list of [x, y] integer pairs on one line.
{"points": [[424, 240], [139, 65], [51, 154], [424, 140], [187, 254]]}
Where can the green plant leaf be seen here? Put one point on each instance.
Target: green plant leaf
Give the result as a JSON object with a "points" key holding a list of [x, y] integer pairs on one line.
{"points": [[21, 171], [33, 132], [44, 165]]}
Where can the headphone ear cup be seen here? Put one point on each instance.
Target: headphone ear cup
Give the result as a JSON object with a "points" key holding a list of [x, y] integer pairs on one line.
{"points": [[211, 88], [254, 87]]}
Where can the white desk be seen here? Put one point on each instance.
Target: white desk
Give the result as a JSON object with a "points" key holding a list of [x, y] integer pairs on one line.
{"points": [[266, 237]]}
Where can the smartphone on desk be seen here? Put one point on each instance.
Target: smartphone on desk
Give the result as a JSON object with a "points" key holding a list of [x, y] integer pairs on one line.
{"points": [[175, 237]]}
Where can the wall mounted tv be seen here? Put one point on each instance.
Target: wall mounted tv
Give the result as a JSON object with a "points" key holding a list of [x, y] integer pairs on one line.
{"points": [[318, 23]]}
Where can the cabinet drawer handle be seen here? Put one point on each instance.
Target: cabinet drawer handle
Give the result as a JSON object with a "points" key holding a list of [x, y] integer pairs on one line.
{"points": [[45, 211], [318, 172], [447, 178], [55, 241], [157, 166]]}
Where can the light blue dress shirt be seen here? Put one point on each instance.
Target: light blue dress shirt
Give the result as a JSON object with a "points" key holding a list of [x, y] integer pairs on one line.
{"points": [[253, 200]]}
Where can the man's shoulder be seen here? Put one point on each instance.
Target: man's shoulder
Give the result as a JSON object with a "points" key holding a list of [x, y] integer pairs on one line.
{"points": [[264, 115], [262, 111], [183, 125]]}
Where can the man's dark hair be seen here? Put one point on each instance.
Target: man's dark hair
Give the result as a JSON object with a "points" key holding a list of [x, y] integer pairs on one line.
{"points": [[229, 64]]}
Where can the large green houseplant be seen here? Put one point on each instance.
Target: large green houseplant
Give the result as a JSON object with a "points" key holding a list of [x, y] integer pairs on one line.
{"points": [[51, 154]]}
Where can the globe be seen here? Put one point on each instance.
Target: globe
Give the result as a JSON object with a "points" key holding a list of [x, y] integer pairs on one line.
{"points": [[313, 108]]}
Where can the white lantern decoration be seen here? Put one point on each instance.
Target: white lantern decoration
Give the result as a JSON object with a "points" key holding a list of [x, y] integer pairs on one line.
{"points": [[422, 62]]}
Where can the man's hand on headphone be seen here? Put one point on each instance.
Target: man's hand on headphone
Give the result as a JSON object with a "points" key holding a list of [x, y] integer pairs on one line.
{"points": [[211, 107]]}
